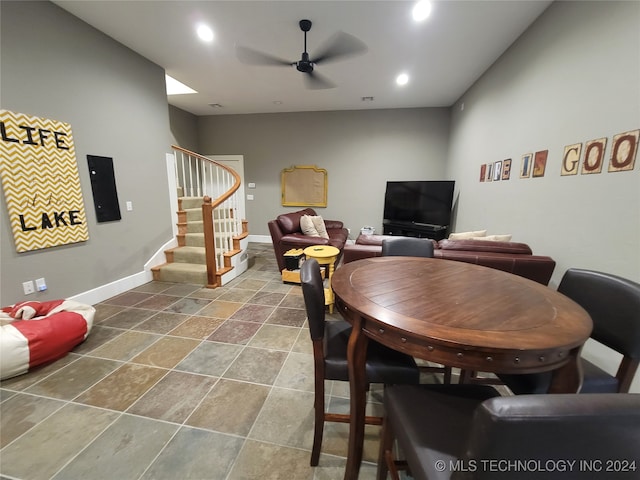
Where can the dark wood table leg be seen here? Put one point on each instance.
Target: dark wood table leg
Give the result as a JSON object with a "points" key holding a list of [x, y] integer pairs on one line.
{"points": [[356, 355], [568, 378]]}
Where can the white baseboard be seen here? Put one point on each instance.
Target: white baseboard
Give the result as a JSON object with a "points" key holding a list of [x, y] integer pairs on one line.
{"points": [[260, 238]]}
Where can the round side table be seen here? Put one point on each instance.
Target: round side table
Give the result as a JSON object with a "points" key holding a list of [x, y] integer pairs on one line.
{"points": [[326, 255]]}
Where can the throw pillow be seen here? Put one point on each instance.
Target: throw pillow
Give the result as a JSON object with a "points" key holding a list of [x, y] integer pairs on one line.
{"points": [[494, 238], [467, 235], [318, 222], [307, 226]]}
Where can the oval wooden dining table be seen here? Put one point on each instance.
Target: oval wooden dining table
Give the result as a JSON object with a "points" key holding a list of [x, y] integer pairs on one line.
{"points": [[457, 314]]}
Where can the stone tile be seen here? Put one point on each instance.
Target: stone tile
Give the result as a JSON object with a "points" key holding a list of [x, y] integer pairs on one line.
{"points": [[122, 451], [219, 410], [98, 336], [128, 318], [303, 343], [65, 433], [153, 287], [158, 302], [166, 352], [197, 327], [265, 461], [128, 299], [332, 468], [286, 419], [188, 456], [33, 376], [251, 284], [188, 306], [335, 441], [267, 298], [123, 387], [161, 322], [253, 313], [256, 365], [239, 295], [292, 317], [297, 373], [174, 397], [182, 289], [73, 379], [220, 309], [104, 311], [277, 286], [6, 394], [210, 358], [207, 293], [236, 332], [125, 346], [20, 413], [275, 337], [293, 300]]}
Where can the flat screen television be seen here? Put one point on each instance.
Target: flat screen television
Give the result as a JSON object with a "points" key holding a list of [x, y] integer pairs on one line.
{"points": [[420, 202]]}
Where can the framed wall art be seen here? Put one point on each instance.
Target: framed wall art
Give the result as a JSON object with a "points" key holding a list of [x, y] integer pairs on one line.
{"points": [[525, 165], [506, 169], [593, 156], [623, 151], [540, 163], [304, 186], [571, 159], [497, 170]]}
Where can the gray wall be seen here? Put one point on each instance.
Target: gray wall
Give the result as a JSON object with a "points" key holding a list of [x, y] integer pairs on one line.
{"points": [[184, 128], [574, 76], [360, 150], [55, 66]]}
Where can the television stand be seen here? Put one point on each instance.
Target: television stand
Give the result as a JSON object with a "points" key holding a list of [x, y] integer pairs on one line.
{"points": [[415, 229]]}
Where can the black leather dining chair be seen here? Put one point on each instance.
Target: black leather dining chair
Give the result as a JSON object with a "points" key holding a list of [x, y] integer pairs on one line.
{"points": [[614, 306], [330, 339], [407, 247], [414, 247], [469, 432]]}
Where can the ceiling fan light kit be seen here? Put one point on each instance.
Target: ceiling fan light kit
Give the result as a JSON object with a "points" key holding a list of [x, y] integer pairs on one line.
{"points": [[339, 46]]}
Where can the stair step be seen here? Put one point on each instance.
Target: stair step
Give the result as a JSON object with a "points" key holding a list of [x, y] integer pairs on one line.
{"points": [[190, 255], [181, 273]]}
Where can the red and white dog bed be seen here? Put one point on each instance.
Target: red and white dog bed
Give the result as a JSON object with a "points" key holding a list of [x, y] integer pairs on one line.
{"points": [[41, 332]]}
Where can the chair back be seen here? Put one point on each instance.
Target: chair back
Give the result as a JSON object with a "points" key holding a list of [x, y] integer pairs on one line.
{"points": [[613, 304], [587, 428], [407, 246], [313, 293]]}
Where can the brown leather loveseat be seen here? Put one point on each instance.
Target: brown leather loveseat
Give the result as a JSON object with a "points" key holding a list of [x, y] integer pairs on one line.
{"points": [[512, 257], [286, 234]]}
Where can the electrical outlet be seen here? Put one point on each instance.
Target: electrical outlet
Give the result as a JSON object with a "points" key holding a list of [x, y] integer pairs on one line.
{"points": [[41, 285], [28, 287], [129, 206]]}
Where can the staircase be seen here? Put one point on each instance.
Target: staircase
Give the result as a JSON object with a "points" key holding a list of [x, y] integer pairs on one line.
{"points": [[211, 240]]}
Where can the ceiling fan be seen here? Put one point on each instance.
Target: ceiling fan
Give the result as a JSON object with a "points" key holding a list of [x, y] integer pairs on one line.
{"points": [[339, 46]]}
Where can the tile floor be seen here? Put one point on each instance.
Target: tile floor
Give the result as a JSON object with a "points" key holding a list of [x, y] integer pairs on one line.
{"points": [[179, 382]]}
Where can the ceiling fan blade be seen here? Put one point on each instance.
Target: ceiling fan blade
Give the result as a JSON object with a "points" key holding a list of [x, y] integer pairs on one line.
{"points": [[338, 46], [315, 81], [250, 56]]}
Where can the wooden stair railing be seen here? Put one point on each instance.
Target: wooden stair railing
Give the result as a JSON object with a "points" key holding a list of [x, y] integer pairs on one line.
{"points": [[218, 184]]}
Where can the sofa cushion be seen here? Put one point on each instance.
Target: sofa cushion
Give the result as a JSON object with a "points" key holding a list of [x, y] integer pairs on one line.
{"points": [[290, 222], [313, 226], [467, 235], [486, 246]]}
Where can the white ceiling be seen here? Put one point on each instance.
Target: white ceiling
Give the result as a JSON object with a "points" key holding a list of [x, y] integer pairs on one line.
{"points": [[443, 55]]}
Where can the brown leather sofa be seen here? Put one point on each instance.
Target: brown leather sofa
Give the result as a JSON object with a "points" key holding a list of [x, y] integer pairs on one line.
{"points": [[286, 234], [512, 257]]}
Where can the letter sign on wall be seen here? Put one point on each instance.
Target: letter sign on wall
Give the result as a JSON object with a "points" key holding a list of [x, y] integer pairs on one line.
{"points": [[40, 181]]}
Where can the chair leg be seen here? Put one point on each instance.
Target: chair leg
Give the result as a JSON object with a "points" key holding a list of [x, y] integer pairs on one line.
{"points": [[386, 444], [319, 417]]}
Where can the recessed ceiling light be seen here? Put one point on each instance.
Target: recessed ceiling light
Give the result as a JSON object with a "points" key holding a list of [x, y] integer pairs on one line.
{"points": [[205, 33], [174, 87], [421, 10], [402, 79]]}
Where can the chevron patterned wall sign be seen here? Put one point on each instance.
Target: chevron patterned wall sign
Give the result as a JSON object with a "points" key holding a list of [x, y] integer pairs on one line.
{"points": [[40, 181]]}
